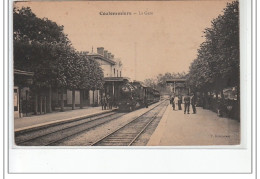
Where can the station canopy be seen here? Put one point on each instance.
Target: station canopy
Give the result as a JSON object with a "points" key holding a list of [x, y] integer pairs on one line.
{"points": [[115, 79], [176, 80]]}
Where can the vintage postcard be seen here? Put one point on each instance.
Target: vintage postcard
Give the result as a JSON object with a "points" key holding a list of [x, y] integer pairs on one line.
{"points": [[126, 73]]}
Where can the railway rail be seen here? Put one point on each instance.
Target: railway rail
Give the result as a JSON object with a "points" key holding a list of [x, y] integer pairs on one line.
{"points": [[129, 133], [53, 134]]}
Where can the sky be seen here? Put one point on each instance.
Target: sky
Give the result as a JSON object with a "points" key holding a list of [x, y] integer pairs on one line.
{"points": [[164, 41]]}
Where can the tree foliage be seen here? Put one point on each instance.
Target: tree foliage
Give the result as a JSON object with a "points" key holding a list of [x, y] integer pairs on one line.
{"points": [[90, 72], [28, 27], [42, 47], [217, 63], [150, 82]]}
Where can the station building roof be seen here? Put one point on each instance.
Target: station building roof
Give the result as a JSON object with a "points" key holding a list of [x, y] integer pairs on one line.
{"points": [[96, 55], [115, 79]]}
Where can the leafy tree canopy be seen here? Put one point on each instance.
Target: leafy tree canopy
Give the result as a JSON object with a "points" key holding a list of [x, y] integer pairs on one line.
{"points": [[28, 27], [217, 63], [41, 46]]}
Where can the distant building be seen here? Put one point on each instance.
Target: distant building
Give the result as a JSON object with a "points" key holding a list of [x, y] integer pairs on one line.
{"points": [[178, 86]]}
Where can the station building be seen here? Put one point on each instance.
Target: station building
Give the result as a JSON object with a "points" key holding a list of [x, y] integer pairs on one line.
{"points": [[112, 69], [46, 100]]}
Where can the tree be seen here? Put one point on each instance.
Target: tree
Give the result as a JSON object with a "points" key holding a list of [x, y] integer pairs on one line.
{"points": [[41, 46], [38, 43], [217, 64], [28, 27], [90, 74], [150, 82]]}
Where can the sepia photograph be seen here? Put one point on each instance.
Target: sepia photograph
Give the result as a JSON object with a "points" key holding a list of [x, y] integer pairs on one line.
{"points": [[126, 73]]}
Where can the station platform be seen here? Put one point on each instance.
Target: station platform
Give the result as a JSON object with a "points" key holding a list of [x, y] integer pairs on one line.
{"points": [[202, 128], [54, 117]]}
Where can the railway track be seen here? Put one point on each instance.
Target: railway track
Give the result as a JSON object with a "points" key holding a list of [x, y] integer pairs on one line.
{"points": [[53, 134], [129, 133]]}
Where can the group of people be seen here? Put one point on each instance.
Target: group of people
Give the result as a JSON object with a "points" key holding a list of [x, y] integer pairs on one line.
{"points": [[106, 102], [176, 102]]}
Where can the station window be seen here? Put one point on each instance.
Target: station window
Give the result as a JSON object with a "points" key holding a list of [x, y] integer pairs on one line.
{"points": [[114, 72], [120, 73]]}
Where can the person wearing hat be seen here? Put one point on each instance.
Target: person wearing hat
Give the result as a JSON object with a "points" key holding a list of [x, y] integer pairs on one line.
{"points": [[179, 102], [187, 105], [193, 103], [104, 102]]}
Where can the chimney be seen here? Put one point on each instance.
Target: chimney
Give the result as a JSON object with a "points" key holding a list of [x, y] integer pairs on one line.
{"points": [[105, 53], [112, 56], [100, 50], [109, 55]]}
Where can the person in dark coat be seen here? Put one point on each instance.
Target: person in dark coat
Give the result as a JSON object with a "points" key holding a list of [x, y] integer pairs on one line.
{"points": [[104, 102], [173, 104], [170, 99], [187, 104], [110, 102], [193, 104], [179, 102]]}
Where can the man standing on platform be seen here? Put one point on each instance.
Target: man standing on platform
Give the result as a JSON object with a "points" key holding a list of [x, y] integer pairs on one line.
{"points": [[173, 104], [193, 103], [109, 101], [179, 102], [187, 104], [176, 99], [103, 102]]}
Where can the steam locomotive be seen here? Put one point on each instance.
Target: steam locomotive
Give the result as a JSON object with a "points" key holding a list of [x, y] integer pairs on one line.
{"points": [[134, 95]]}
